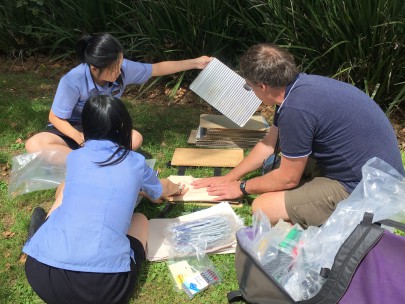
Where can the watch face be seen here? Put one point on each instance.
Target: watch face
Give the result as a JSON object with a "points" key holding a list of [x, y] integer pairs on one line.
{"points": [[242, 186]]}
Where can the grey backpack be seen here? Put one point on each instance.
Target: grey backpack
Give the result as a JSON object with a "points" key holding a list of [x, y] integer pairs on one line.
{"points": [[368, 268]]}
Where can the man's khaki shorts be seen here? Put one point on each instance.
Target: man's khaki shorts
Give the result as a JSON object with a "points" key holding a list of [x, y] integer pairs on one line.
{"points": [[314, 199]]}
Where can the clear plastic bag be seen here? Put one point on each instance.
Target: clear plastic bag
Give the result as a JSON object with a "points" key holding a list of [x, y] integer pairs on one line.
{"points": [[41, 170], [192, 271], [266, 243], [381, 192], [216, 231]]}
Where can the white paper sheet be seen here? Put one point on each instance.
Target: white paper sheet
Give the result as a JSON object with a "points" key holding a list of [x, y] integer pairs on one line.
{"points": [[158, 245]]}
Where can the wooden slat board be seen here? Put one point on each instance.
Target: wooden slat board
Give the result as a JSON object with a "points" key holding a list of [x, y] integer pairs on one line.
{"points": [[192, 137], [192, 195], [196, 196], [234, 204], [207, 157]]}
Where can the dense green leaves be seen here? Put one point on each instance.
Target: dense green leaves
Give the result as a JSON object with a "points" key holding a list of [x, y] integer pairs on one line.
{"points": [[360, 42]]}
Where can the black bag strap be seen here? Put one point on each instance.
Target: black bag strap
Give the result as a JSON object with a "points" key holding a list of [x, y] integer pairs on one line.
{"points": [[235, 296], [393, 224], [364, 237], [367, 219]]}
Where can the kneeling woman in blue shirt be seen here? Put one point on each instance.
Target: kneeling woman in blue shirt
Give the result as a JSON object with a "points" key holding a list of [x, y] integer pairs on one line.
{"points": [[91, 247], [103, 71]]}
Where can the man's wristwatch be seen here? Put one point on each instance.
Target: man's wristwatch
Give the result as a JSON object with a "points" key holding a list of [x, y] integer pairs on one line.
{"points": [[242, 187]]}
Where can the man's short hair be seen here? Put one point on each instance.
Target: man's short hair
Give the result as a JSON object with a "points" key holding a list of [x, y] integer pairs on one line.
{"points": [[268, 64]]}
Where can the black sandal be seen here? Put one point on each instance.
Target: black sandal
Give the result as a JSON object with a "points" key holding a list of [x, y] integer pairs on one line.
{"points": [[38, 217]]}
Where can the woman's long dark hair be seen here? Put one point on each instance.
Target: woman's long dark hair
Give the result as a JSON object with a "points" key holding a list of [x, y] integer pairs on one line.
{"points": [[106, 117], [101, 51]]}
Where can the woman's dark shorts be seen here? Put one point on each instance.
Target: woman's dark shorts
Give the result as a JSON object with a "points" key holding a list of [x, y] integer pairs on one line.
{"points": [[69, 141], [54, 285]]}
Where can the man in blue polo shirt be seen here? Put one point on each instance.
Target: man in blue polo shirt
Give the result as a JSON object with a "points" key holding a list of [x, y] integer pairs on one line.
{"points": [[327, 131]]}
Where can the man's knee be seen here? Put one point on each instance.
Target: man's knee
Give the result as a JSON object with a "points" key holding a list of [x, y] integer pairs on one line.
{"points": [[256, 205], [273, 205]]}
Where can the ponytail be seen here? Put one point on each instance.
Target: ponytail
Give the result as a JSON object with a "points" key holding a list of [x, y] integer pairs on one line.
{"points": [[81, 46]]}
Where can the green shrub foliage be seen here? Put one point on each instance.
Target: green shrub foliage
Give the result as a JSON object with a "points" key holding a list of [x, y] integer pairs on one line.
{"points": [[360, 42]]}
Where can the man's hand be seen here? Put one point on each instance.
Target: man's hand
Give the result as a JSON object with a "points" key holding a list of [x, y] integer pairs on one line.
{"points": [[225, 191], [210, 181]]}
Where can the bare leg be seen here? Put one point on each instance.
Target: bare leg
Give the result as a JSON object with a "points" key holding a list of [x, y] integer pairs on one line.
{"points": [[46, 140], [273, 205], [139, 228], [137, 140], [58, 198]]}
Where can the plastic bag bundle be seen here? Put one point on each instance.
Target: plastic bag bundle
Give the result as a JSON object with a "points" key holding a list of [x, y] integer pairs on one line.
{"points": [[192, 272], [381, 192], [267, 238], [216, 231], [41, 170]]}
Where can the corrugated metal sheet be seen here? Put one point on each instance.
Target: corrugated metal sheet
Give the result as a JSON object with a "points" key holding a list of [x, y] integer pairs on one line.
{"points": [[224, 90]]}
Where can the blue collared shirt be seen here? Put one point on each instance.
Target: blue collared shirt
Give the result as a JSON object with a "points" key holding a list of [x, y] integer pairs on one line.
{"points": [[87, 232], [77, 86], [338, 125]]}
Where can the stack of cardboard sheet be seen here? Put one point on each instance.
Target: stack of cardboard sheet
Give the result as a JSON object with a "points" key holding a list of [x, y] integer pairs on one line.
{"points": [[217, 131]]}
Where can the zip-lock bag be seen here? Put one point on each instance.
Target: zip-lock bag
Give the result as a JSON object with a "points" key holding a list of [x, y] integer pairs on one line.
{"points": [[368, 268]]}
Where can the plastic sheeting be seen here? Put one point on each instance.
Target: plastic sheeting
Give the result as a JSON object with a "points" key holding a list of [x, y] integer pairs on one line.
{"points": [[41, 170], [381, 192]]}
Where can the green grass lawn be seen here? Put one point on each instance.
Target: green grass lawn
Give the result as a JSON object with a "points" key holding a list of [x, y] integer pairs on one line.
{"points": [[24, 106]]}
